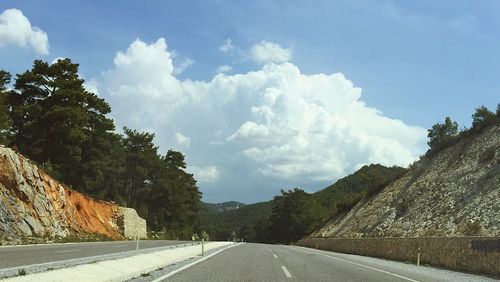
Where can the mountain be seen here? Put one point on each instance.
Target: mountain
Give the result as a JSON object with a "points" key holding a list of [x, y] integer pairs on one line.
{"points": [[452, 191], [221, 207]]}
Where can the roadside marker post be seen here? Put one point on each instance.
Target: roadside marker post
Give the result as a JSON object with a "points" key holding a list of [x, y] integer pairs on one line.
{"points": [[202, 246], [137, 243], [418, 256]]}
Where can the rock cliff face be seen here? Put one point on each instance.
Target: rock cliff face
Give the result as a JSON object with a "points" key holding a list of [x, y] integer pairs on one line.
{"points": [[453, 193], [32, 204]]}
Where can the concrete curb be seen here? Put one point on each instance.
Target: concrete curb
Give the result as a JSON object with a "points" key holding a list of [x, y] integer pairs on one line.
{"points": [[120, 269]]}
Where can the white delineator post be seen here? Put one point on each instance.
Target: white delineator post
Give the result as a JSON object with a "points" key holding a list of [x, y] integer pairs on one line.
{"points": [[202, 246], [418, 256], [137, 243]]}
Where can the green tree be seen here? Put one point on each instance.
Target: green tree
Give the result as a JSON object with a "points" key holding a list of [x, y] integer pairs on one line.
{"points": [[482, 117], [54, 118], [5, 121], [182, 197], [140, 157], [295, 214], [440, 134]]}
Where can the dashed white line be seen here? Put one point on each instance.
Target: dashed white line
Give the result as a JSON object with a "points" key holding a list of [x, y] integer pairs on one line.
{"points": [[191, 264], [287, 273], [275, 256], [67, 251]]}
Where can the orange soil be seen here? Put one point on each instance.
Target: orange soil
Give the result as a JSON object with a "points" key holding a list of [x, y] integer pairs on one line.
{"points": [[84, 214]]}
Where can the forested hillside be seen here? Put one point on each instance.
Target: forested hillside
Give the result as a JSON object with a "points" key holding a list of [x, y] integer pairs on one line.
{"points": [[295, 213], [52, 119]]}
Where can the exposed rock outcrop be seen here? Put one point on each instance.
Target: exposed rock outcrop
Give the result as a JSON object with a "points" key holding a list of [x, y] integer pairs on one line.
{"points": [[452, 193], [131, 225], [32, 204]]}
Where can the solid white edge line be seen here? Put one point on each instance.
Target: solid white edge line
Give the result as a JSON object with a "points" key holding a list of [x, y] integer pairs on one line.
{"points": [[275, 256], [372, 268], [189, 265], [287, 273]]}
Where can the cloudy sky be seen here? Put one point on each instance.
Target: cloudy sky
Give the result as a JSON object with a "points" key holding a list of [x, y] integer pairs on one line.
{"points": [[267, 95]]}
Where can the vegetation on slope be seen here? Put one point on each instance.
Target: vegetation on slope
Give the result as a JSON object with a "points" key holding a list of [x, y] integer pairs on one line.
{"points": [[51, 118], [295, 213]]}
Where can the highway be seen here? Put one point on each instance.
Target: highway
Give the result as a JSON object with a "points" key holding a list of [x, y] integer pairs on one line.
{"points": [[259, 262], [14, 256], [234, 262]]}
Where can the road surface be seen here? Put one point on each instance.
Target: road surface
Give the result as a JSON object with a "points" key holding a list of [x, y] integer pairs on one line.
{"points": [[259, 262], [35, 254]]}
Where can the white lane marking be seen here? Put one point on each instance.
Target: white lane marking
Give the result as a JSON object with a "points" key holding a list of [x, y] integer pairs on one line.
{"points": [[189, 265], [67, 251], [287, 273], [275, 256], [372, 268]]}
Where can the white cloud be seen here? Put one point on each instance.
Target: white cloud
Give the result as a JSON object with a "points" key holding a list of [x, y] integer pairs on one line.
{"points": [[224, 68], [250, 130], [16, 29], [182, 140], [227, 46], [274, 123], [268, 52], [91, 86], [183, 66], [204, 174]]}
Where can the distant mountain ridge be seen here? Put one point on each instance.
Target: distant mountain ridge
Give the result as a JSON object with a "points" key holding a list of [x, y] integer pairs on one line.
{"points": [[222, 207]]}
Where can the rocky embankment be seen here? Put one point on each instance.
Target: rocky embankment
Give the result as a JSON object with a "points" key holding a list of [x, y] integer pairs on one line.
{"points": [[454, 192], [33, 205]]}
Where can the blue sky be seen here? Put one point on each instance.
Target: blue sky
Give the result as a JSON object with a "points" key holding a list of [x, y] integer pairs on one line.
{"points": [[415, 61]]}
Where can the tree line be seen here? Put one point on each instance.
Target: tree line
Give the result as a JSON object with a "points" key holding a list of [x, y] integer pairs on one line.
{"points": [[295, 213], [443, 135], [51, 118]]}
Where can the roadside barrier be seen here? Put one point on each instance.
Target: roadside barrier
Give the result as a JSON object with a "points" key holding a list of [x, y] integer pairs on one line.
{"points": [[471, 254]]}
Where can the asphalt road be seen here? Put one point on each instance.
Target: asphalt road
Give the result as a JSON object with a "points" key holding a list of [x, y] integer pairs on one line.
{"points": [[258, 262], [35, 254]]}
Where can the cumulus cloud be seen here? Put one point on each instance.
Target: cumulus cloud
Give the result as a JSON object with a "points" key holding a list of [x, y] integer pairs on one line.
{"points": [[274, 123], [183, 66], [182, 140], [16, 29], [227, 46], [224, 68], [268, 52], [204, 174]]}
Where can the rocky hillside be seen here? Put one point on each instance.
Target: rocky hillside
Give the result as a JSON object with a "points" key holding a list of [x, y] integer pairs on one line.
{"points": [[33, 205], [453, 192]]}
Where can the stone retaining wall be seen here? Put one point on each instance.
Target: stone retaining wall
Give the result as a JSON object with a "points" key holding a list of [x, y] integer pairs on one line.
{"points": [[472, 254]]}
